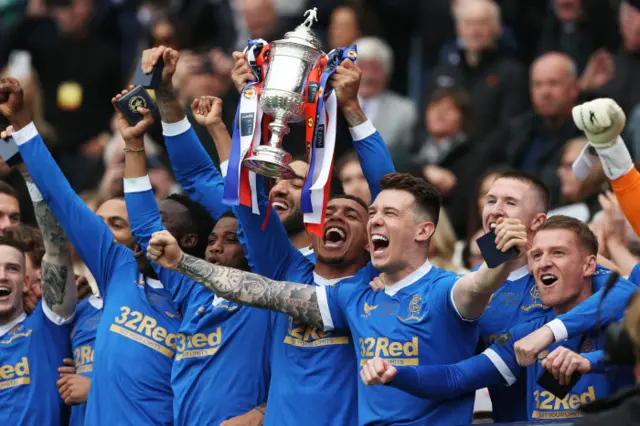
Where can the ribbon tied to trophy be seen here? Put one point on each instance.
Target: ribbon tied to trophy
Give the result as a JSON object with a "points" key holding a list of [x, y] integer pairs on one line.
{"points": [[289, 85]]}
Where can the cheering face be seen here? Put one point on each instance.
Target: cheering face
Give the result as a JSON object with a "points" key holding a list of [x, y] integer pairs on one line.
{"points": [[392, 229], [13, 283], [559, 266], [223, 247], [114, 214], [508, 198], [344, 240], [285, 196]]}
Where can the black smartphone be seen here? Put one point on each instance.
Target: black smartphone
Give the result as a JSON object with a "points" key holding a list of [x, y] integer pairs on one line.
{"points": [[492, 256], [547, 381], [58, 3]]}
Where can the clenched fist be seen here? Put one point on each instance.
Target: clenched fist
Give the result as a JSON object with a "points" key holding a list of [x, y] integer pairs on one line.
{"points": [[602, 121], [207, 110], [164, 250], [150, 58], [12, 103], [241, 73], [511, 233], [377, 371], [346, 82], [563, 363], [528, 348]]}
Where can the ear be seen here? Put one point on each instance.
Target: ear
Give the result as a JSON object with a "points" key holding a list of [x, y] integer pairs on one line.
{"points": [[425, 231], [590, 266], [188, 241], [537, 222]]}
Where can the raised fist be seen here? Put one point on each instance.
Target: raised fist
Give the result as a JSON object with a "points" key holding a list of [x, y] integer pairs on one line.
{"points": [[241, 73], [207, 110], [602, 121], [150, 58], [12, 103]]}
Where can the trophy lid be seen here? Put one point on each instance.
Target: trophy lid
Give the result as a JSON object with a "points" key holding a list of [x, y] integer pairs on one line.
{"points": [[303, 34]]}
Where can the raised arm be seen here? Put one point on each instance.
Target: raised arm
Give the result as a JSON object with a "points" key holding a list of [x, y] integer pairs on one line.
{"points": [[100, 253], [191, 163], [299, 301], [373, 153], [472, 292], [58, 281]]}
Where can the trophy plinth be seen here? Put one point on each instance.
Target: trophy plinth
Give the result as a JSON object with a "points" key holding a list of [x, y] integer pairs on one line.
{"points": [[282, 96]]}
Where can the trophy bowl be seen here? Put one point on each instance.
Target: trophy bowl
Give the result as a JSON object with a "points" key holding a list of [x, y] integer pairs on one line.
{"points": [[282, 97]]}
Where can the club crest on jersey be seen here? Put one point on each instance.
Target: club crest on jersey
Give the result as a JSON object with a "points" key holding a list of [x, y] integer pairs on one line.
{"points": [[368, 309], [503, 338], [16, 332], [414, 310], [536, 302]]}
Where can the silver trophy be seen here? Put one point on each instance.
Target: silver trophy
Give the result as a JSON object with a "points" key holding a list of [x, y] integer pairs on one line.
{"points": [[282, 97]]}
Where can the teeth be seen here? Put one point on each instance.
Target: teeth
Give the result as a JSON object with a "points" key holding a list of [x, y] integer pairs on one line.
{"points": [[5, 291], [492, 226], [339, 231], [279, 205], [377, 237], [548, 277]]}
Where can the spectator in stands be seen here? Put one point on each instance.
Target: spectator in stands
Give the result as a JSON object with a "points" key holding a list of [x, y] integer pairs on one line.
{"points": [[352, 178], [579, 28], [495, 82], [532, 142], [9, 207], [477, 200], [393, 115], [344, 26], [578, 199], [443, 245]]}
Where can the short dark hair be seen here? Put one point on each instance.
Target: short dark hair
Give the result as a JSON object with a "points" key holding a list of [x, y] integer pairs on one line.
{"points": [[426, 195], [538, 185], [200, 222], [7, 189], [352, 198], [228, 213], [586, 238], [16, 244], [31, 238]]}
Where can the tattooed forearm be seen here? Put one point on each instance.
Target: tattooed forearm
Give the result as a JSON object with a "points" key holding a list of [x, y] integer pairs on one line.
{"points": [[55, 240], [296, 300], [170, 108], [54, 284], [354, 116]]}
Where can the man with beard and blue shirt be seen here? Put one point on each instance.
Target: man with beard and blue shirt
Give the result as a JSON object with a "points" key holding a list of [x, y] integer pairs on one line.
{"points": [[307, 363], [222, 346], [136, 338], [427, 316], [563, 259], [32, 346]]}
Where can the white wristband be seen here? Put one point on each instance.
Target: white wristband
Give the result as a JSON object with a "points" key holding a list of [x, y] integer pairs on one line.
{"points": [[616, 160]]}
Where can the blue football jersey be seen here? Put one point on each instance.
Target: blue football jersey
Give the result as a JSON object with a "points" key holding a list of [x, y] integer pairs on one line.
{"points": [[135, 342], [634, 276], [31, 350], [83, 339], [413, 322]]}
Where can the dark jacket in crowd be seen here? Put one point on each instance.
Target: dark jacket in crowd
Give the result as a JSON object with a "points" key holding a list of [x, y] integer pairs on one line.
{"points": [[624, 87], [497, 86], [621, 409]]}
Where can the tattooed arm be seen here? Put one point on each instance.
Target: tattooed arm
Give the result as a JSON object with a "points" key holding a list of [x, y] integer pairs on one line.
{"points": [[299, 301], [58, 281]]}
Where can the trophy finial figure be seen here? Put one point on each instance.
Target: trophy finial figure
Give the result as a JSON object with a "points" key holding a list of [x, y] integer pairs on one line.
{"points": [[311, 16]]}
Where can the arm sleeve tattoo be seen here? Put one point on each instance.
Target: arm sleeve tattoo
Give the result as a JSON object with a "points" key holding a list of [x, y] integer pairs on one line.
{"points": [[58, 281], [296, 300], [171, 111], [354, 117]]}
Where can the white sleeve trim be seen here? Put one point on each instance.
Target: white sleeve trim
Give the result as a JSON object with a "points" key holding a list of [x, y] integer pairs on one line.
{"points": [[139, 184], [177, 128], [223, 168], [500, 365], [55, 318], [25, 134], [361, 131], [453, 303], [321, 292], [558, 329]]}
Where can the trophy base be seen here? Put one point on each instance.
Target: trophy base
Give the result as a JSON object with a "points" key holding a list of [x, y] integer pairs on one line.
{"points": [[270, 162]]}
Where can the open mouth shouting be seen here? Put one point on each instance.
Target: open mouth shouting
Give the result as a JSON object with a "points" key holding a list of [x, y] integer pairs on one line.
{"points": [[548, 279], [280, 205], [5, 291], [335, 236], [379, 244]]}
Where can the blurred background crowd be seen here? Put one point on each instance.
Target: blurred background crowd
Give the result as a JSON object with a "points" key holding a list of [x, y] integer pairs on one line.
{"points": [[459, 89]]}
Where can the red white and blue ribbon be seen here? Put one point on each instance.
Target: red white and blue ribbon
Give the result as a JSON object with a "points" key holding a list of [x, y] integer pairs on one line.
{"points": [[240, 183], [317, 185]]}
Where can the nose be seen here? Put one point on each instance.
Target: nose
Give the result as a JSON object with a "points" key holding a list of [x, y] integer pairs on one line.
{"points": [[3, 274], [217, 246], [280, 188], [376, 219], [5, 222], [545, 261]]}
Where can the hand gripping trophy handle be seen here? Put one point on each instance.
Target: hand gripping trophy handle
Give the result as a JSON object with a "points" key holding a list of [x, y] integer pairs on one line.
{"points": [[282, 96]]}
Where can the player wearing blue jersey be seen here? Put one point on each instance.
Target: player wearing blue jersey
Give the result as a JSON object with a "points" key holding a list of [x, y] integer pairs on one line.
{"points": [[308, 363], [220, 344], [136, 336], [563, 258], [405, 223]]}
